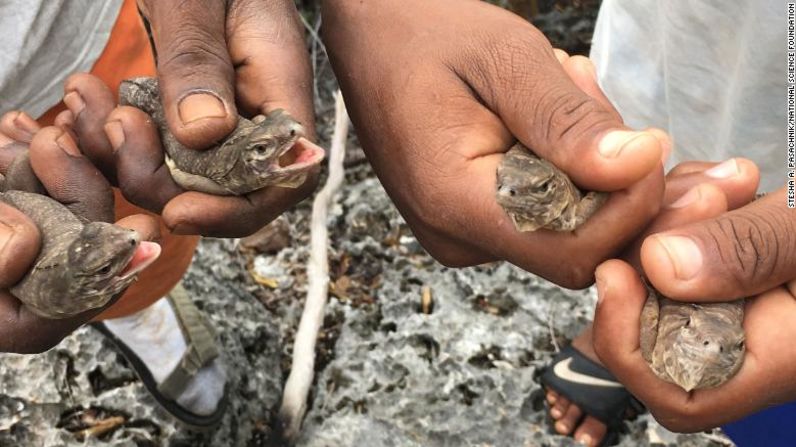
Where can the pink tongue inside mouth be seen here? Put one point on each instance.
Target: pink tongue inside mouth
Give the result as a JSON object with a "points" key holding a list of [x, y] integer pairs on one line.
{"points": [[146, 253], [303, 152]]}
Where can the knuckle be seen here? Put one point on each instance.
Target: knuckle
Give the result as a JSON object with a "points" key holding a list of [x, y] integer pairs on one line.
{"points": [[751, 246], [191, 49], [577, 275]]}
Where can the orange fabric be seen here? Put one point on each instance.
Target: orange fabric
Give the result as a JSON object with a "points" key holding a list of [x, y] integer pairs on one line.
{"points": [[126, 55]]}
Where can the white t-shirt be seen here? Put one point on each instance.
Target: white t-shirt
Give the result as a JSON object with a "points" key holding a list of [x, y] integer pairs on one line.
{"points": [[45, 41], [711, 72]]}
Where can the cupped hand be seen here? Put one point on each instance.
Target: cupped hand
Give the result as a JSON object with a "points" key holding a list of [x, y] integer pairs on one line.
{"points": [[747, 252], [57, 168], [215, 59], [438, 91]]}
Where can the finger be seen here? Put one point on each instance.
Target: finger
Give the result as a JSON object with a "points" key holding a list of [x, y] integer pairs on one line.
{"points": [[561, 55], [9, 153], [24, 332], [65, 119], [621, 297], [737, 177], [146, 226], [558, 120], [20, 176], [19, 245], [268, 49], [69, 177], [701, 202], [738, 254], [232, 216], [194, 69], [18, 126], [141, 172], [689, 167], [582, 73], [90, 101]]}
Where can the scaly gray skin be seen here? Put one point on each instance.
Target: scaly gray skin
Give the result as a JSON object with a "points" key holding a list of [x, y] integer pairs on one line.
{"points": [[536, 194], [79, 266], [247, 160], [692, 345]]}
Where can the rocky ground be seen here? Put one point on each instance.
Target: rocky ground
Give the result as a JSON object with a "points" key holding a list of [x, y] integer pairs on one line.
{"points": [[460, 370]]}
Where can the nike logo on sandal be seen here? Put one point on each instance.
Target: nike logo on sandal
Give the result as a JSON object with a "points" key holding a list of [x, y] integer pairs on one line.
{"points": [[562, 370]]}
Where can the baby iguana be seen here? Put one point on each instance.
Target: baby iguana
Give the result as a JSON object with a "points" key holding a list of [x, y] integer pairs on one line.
{"points": [[80, 265], [692, 345], [266, 151], [536, 194]]}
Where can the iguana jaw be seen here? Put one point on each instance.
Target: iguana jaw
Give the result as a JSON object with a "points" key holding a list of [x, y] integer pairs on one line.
{"points": [[300, 156], [146, 253]]}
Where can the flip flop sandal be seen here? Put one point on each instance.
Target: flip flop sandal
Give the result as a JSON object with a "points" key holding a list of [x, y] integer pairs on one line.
{"points": [[592, 388], [201, 341]]}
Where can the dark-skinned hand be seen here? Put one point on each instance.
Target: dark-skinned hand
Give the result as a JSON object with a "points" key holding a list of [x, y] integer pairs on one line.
{"points": [[748, 252], [215, 59], [438, 91], [69, 178]]}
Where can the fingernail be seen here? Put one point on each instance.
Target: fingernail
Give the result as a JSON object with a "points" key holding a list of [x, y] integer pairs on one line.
{"points": [[26, 124], [74, 102], [115, 132], [562, 427], [684, 255], [551, 399], [67, 144], [725, 169], [618, 141], [602, 287], [556, 413], [199, 106], [585, 440], [6, 233], [692, 196]]}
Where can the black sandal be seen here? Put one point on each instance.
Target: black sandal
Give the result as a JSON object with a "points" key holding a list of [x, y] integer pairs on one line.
{"points": [[592, 388]]}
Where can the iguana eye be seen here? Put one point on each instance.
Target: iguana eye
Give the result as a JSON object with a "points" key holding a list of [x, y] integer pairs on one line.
{"points": [[105, 269], [512, 192], [688, 323], [740, 345], [260, 149]]}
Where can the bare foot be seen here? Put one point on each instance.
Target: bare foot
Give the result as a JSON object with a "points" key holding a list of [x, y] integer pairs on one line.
{"points": [[590, 431]]}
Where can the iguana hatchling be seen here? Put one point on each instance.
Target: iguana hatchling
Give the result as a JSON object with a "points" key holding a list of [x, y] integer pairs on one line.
{"points": [[265, 151], [692, 345], [81, 265]]}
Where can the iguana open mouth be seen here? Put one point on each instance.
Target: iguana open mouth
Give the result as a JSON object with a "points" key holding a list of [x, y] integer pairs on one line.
{"points": [[143, 256], [302, 154]]}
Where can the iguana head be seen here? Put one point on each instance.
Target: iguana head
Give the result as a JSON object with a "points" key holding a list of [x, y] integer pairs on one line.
{"points": [[277, 151], [707, 350], [532, 187], [103, 260]]}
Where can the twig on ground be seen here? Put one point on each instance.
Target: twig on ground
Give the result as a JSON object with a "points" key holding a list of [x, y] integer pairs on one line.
{"points": [[552, 329], [302, 372]]}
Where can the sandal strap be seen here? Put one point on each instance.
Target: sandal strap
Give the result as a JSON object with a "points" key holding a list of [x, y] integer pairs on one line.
{"points": [[200, 339], [589, 385]]}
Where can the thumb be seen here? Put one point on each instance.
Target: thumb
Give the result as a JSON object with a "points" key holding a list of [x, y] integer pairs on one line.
{"points": [[194, 68], [738, 254], [578, 132]]}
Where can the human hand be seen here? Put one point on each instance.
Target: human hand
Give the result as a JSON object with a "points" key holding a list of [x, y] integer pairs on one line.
{"points": [[744, 253], [215, 58], [447, 87], [69, 178]]}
